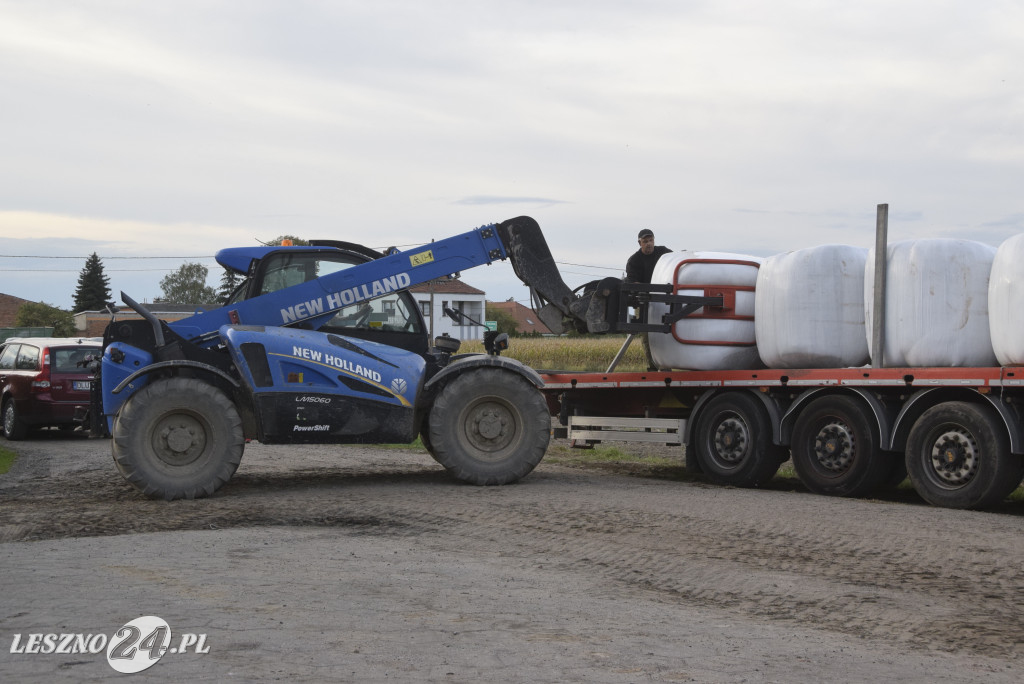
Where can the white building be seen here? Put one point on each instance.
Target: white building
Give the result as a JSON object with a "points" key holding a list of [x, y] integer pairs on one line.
{"points": [[432, 297]]}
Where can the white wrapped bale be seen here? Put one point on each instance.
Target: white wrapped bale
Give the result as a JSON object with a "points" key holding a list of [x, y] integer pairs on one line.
{"points": [[936, 305], [809, 310], [1006, 302], [710, 339]]}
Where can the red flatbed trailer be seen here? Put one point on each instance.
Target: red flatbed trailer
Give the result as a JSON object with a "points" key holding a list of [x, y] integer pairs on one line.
{"points": [[957, 432]]}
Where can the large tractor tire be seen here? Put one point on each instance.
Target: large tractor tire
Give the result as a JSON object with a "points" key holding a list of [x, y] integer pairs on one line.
{"points": [[178, 438], [489, 427]]}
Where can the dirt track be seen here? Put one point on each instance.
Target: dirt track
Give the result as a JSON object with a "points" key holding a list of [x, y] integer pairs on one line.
{"points": [[575, 573]]}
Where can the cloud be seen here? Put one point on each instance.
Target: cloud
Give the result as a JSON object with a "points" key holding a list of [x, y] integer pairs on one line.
{"points": [[494, 199], [731, 126]]}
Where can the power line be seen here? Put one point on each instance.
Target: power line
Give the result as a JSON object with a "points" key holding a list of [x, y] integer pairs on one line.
{"points": [[210, 256], [124, 270], [606, 268], [54, 256], [70, 270]]}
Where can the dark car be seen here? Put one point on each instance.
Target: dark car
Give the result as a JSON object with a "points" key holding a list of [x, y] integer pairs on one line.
{"points": [[44, 382]]}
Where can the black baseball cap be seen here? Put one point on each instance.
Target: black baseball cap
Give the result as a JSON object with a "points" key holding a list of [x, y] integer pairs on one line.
{"points": [[644, 233]]}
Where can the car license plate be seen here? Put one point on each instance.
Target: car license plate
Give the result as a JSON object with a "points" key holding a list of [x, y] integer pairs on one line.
{"points": [[83, 385]]}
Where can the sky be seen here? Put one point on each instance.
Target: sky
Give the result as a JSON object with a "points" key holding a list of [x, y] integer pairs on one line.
{"points": [[156, 133]]}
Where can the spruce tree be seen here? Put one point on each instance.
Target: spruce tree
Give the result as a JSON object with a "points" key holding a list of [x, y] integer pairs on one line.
{"points": [[228, 282], [93, 290]]}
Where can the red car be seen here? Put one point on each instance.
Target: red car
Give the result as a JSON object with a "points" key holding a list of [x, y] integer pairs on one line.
{"points": [[44, 381]]}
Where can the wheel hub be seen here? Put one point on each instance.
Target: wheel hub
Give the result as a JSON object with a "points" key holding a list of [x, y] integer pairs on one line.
{"points": [[179, 440], [730, 440], [834, 446], [955, 457], [490, 427]]}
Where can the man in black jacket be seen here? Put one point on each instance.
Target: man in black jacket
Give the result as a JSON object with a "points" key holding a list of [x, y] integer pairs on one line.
{"points": [[639, 269], [640, 265]]}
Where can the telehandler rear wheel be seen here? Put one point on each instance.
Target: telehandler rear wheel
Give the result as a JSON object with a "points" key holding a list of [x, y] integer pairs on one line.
{"points": [[178, 438], [489, 427]]}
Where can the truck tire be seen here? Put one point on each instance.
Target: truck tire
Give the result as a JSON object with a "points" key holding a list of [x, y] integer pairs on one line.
{"points": [[958, 456], [836, 449], [489, 427], [178, 438], [733, 442], [14, 427]]}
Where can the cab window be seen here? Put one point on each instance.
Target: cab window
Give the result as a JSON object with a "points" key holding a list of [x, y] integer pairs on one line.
{"points": [[286, 270], [391, 312]]}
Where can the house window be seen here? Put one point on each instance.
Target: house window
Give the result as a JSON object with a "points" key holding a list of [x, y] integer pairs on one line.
{"points": [[425, 309]]}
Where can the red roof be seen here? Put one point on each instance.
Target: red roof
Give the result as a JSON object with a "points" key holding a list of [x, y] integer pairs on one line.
{"points": [[526, 320], [446, 285]]}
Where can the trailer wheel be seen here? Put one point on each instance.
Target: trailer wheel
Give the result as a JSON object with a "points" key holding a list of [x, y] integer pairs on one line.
{"points": [[489, 427], [14, 427], [733, 444], [958, 456], [178, 438], [835, 449]]}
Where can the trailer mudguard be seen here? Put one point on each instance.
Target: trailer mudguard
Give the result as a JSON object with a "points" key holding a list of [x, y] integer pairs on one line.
{"points": [[923, 400], [770, 405], [883, 415]]}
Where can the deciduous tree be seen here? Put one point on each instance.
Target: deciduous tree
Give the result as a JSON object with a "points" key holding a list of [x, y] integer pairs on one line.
{"points": [[43, 315], [188, 285], [506, 322]]}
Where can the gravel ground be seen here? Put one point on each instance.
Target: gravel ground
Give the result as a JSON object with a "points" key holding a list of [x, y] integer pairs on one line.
{"points": [[370, 564]]}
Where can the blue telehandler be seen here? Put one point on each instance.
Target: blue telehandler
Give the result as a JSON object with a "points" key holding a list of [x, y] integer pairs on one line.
{"points": [[324, 344]]}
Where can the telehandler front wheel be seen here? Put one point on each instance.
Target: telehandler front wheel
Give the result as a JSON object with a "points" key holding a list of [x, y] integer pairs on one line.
{"points": [[178, 438], [489, 427]]}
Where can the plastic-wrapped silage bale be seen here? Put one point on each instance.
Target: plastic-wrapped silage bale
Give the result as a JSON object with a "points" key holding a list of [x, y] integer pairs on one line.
{"points": [[1006, 302], [710, 339], [936, 305], [809, 309]]}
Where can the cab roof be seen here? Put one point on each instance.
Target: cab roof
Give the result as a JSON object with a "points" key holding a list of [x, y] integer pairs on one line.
{"points": [[239, 259]]}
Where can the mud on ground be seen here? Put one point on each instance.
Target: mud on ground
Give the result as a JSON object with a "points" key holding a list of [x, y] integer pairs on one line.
{"points": [[586, 570]]}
